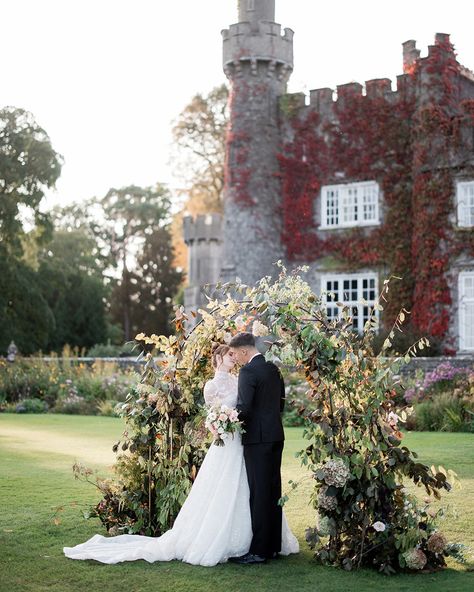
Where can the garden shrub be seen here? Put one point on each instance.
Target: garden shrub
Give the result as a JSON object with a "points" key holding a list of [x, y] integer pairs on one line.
{"points": [[64, 384], [27, 406], [74, 404], [442, 399]]}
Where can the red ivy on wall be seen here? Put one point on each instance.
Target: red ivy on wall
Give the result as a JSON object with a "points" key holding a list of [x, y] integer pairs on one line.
{"points": [[237, 169], [369, 139], [405, 145]]}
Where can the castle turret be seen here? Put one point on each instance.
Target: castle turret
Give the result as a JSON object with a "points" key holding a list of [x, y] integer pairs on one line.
{"points": [[258, 60], [203, 237]]}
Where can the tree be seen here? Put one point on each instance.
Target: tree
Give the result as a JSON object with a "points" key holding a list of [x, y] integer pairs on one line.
{"points": [[87, 219], [199, 134], [71, 282], [25, 316], [28, 167], [157, 284], [131, 217]]}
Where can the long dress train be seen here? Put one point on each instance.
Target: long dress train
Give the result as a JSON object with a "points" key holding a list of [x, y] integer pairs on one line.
{"points": [[214, 521]]}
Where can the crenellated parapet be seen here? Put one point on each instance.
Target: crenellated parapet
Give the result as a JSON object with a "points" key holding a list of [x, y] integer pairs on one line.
{"points": [[422, 88], [264, 42], [325, 100], [207, 227]]}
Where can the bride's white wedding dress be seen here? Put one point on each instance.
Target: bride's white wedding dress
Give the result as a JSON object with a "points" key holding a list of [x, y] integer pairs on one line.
{"points": [[214, 521]]}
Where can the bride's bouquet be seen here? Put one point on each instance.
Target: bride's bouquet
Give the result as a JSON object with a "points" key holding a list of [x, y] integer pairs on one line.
{"points": [[223, 422]]}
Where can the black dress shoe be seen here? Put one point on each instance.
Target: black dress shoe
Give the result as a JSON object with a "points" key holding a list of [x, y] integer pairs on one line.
{"points": [[248, 559], [236, 559]]}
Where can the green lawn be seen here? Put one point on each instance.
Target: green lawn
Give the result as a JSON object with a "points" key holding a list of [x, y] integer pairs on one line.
{"points": [[36, 454]]}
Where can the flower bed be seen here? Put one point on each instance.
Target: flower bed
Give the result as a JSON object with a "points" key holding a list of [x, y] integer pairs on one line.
{"points": [[34, 385], [442, 400]]}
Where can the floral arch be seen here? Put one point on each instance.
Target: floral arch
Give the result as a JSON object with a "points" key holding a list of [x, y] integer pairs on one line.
{"points": [[365, 516]]}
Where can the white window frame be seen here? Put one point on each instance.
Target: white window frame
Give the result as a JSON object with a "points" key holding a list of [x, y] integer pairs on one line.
{"points": [[465, 203], [363, 310], [466, 311], [347, 204]]}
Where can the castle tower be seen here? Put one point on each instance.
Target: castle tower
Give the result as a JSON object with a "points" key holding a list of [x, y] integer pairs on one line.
{"points": [[257, 60], [203, 237]]}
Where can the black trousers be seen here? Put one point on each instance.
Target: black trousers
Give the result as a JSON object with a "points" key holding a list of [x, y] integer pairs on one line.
{"points": [[263, 464]]}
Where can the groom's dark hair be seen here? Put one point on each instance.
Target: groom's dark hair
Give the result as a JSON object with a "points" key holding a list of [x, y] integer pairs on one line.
{"points": [[242, 340]]}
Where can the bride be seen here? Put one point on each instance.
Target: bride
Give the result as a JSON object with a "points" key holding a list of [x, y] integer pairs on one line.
{"points": [[214, 521]]}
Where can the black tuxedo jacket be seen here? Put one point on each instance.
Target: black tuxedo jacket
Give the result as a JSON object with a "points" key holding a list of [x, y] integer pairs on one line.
{"points": [[260, 401]]}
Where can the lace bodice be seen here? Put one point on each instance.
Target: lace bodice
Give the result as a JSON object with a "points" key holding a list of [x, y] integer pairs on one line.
{"points": [[221, 390]]}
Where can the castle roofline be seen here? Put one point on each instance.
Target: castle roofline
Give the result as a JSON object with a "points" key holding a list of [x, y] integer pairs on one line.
{"points": [[323, 99]]}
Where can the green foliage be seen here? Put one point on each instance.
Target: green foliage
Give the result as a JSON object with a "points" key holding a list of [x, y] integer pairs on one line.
{"points": [[157, 283], [71, 283], [162, 443], [443, 399], [135, 219], [402, 340], [28, 167], [27, 406], [290, 104], [73, 404], [55, 288], [354, 449], [108, 408], [25, 316], [296, 399], [445, 412], [47, 295]]}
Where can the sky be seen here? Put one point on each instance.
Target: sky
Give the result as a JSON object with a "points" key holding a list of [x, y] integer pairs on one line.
{"points": [[106, 78]]}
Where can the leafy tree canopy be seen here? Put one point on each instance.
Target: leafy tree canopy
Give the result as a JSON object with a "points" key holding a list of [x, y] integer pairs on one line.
{"points": [[28, 167], [199, 157], [199, 135], [71, 280]]}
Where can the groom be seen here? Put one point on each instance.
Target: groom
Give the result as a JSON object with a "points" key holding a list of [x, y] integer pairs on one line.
{"points": [[260, 402]]}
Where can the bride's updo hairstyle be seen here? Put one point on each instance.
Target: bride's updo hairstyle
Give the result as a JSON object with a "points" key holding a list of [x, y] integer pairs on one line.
{"points": [[218, 350]]}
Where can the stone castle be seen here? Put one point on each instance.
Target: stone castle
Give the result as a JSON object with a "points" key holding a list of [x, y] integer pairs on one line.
{"points": [[334, 183]]}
